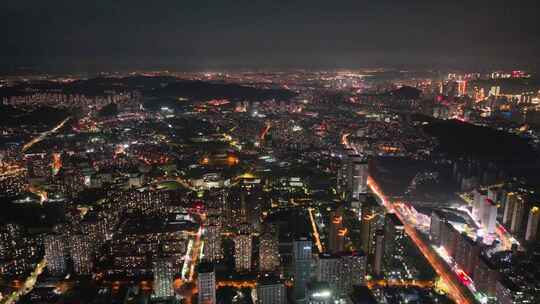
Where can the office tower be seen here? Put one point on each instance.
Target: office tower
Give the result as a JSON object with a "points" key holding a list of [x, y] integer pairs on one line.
{"points": [[449, 239], [480, 197], [336, 237], [532, 224], [206, 283], [271, 290], [269, 259], [242, 251], [212, 246], [489, 216], [302, 250], [359, 178], [55, 254], [327, 269], [394, 235], [435, 228], [518, 216], [510, 201], [369, 223], [379, 252], [467, 253], [163, 270], [352, 271], [82, 254]]}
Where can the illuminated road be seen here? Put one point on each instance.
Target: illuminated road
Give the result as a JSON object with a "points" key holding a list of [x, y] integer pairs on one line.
{"points": [[316, 235], [456, 291], [195, 254], [27, 286], [43, 135]]}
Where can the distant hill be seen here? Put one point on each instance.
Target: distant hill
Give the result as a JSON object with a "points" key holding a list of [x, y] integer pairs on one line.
{"points": [[202, 90]]}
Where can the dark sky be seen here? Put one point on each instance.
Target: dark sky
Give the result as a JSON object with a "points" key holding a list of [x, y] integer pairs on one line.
{"points": [[271, 33]]}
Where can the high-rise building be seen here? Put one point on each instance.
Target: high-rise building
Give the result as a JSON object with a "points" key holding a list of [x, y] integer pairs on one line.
{"points": [[163, 270], [467, 253], [82, 254], [320, 293], [449, 238], [271, 290], [212, 246], [379, 252], [369, 223], [485, 277], [352, 272], [336, 237], [489, 216], [509, 203], [480, 197], [206, 283], [532, 224], [242, 251], [359, 178], [269, 259], [518, 216], [394, 235], [302, 257], [435, 228], [328, 269], [55, 254]]}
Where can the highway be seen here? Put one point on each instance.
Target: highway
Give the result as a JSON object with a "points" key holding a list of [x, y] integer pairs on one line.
{"points": [[27, 286], [456, 291], [43, 135]]}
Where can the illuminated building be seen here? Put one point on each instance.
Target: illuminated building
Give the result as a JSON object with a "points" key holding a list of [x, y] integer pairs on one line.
{"points": [[369, 223], [302, 250], [212, 245], [532, 224], [352, 271], [509, 204], [206, 283], [55, 254], [489, 216], [462, 87], [518, 216], [328, 269], [320, 293], [495, 91], [394, 235], [271, 290], [336, 237], [467, 254], [242, 252], [435, 228], [480, 197], [140, 240], [81, 252], [485, 277], [449, 238], [163, 270], [269, 259], [379, 252], [359, 175]]}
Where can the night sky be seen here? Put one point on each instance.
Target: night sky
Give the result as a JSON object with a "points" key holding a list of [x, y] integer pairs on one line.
{"points": [[273, 33]]}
